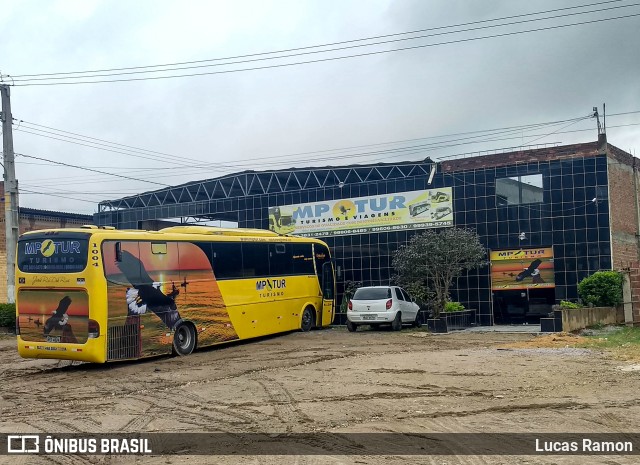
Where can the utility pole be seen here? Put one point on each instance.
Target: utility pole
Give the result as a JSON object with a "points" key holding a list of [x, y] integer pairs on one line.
{"points": [[10, 192]]}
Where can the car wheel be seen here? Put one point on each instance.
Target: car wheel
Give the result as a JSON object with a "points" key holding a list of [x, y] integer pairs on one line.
{"points": [[417, 323], [184, 339], [396, 325], [351, 326], [308, 319]]}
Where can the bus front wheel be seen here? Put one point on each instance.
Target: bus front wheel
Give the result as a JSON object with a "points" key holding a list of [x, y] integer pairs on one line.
{"points": [[308, 319], [184, 339]]}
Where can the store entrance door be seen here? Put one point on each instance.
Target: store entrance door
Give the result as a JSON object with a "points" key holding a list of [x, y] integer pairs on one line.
{"points": [[510, 307], [519, 306]]}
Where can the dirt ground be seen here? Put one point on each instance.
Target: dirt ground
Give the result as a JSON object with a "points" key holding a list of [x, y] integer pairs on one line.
{"points": [[329, 381]]}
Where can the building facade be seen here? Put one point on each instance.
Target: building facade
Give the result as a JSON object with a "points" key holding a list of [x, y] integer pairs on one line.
{"points": [[548, 217]]}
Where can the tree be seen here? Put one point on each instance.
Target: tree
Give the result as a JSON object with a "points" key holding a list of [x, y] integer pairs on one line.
{"points": [[427, 265]]}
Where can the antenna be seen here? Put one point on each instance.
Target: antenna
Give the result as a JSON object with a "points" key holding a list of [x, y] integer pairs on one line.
{"points": [[597, 117], [602, 128], [602, 131]]}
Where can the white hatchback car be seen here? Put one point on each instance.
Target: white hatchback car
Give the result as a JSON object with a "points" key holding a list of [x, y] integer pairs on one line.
{"points": [[378, 305]]}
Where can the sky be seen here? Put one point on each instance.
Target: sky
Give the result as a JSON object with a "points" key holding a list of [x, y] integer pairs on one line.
{"points": [[438, 98]]}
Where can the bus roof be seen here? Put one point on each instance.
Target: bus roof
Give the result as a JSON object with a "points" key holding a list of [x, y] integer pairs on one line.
{"points": [[187, 230]]}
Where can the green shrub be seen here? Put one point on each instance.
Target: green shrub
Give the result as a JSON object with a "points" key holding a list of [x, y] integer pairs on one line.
{"points": [[8, 315], [567, 304], [601, 289], [453, 307]]}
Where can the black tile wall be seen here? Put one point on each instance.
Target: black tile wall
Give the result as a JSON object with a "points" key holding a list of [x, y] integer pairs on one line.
{"points": [[568, 220]]}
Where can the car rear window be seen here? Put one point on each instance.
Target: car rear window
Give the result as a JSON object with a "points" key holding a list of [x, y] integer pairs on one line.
{"points": [[372, 293]]}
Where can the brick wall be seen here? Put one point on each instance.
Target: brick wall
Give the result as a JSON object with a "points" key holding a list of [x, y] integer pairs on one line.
{"points": [[623, 216], [524, 156], [633, 269]]}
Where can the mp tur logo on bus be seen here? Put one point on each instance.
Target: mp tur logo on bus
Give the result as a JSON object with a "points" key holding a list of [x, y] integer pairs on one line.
{"points": [[269, 284], [49, 247]]}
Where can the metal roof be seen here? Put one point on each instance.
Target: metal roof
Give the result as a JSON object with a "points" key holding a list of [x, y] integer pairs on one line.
{"points": [[249, 183]]}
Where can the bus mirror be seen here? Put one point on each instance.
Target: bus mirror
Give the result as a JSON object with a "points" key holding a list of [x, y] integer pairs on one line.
{"points": [[118, 252]]}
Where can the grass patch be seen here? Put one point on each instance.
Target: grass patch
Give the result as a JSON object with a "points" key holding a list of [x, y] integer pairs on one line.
{"points": [[623, 342]]}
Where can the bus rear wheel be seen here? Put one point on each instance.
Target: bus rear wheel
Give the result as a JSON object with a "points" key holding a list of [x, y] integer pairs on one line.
{"points": [[308, 319], [184, 339]]}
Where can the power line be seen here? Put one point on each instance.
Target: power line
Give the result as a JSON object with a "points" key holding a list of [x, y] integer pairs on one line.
{"points": [[98, 141], [322, 45], [320, 60], [180, 68], [410, 150], [472, 134], [91, 169], [457, 155], [625, 113], [55, 195], [554, 132], [404, 150], [104, 148]]}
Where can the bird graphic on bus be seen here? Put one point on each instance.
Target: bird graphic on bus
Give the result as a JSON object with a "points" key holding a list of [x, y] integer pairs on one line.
{"points": [[146, 294], [59, 321]]}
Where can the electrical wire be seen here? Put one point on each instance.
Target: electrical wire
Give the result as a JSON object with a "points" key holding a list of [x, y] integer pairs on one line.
{"points": [[396, 151], [282, 159], [137, 154], [180, 68], [321, 60], [403, 150], [22, 190], [320, 45], [91, 169], [107, 143]]}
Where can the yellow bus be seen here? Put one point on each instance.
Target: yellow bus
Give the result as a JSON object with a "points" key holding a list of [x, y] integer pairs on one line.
{"points": [[98, 294]]}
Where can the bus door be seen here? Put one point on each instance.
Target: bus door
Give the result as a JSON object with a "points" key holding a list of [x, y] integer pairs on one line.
{"points": [[324, 271], [328, 294]]}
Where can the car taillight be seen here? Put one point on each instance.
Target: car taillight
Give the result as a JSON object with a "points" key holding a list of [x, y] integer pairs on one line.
{"points": [[350, 306], [94, 329], [389, 303]]}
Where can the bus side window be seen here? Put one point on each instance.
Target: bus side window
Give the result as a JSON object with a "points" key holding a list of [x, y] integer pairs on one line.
{"points": [[255, 259], [118, 249], [159, 248], [225, 258], [302, 259], [280, 259]]}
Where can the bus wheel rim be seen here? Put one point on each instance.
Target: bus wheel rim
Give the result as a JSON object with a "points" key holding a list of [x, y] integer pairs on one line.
{"points": [[183, 337]]}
